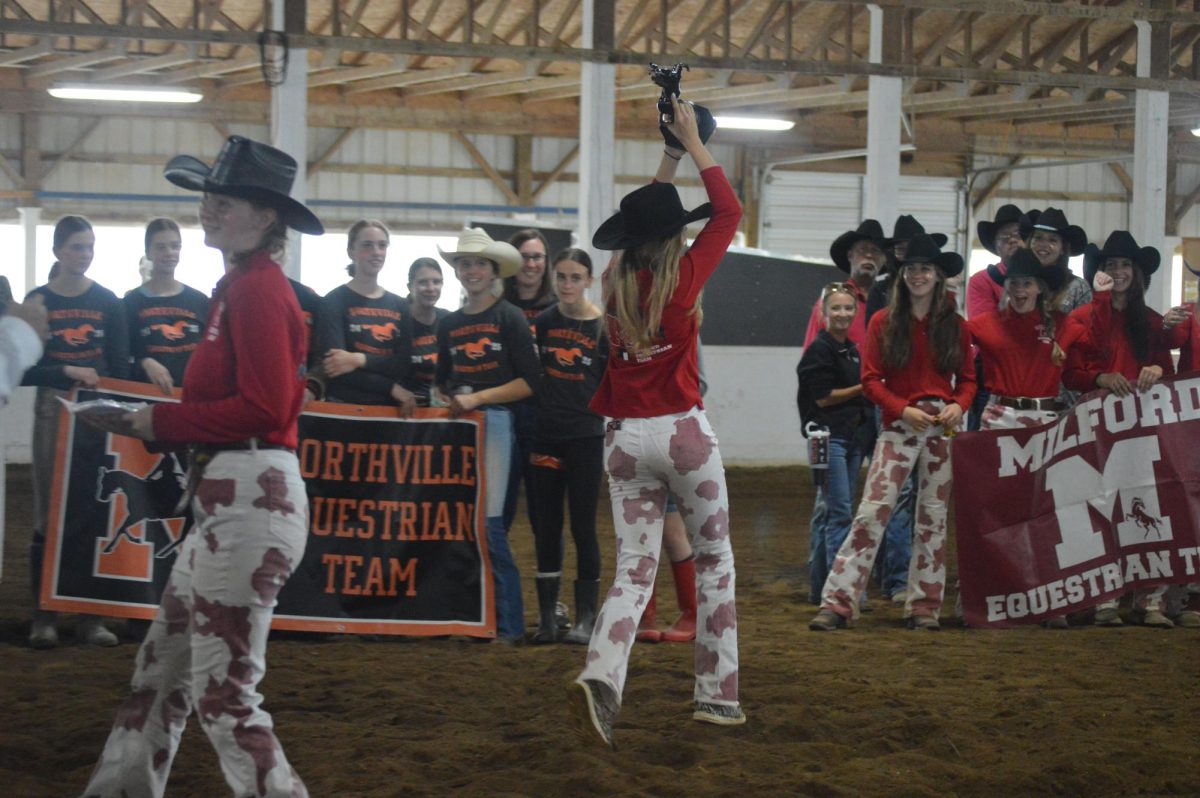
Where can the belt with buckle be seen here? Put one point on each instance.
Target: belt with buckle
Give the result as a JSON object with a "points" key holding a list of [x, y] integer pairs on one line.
{"points": [[201, 454], [1030, 403]]}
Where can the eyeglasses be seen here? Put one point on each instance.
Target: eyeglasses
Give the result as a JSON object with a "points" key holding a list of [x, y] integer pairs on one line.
{"points": [[837, 288], [1015, 235]]}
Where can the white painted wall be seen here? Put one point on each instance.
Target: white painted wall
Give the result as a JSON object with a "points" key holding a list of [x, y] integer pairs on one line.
{"points": [[751, 403]]}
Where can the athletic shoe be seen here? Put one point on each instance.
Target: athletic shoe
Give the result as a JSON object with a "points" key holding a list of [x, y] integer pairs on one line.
{"points": [[1056, 623], [1108, 616], [1188, 619], [92, 632], [900, 597], [719, 714], [1155, 619], [42, 632], [594, 711], [925, 623], [826, 621]]}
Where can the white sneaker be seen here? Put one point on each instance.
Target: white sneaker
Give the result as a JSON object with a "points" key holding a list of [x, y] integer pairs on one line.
{"points": [[91, 631], [42, 632]]}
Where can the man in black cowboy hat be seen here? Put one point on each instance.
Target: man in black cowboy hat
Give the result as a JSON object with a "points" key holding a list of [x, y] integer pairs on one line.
{"points": [[859, 253], [905, 230]]}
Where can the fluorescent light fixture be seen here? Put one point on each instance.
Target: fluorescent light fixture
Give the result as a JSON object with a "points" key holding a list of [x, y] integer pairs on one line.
{"points": [[129, 94], [753, 123], [1196, 132]]}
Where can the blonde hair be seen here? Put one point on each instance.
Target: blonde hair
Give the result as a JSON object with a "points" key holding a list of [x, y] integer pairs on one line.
{"points": [[661, 257]]}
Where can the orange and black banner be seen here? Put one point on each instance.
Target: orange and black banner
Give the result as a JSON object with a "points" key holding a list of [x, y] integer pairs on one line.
{"points": [[396, 522]]}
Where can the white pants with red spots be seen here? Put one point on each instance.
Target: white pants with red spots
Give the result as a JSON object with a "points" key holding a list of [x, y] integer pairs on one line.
{"points": [[998, 416], [898, 450], [206, 650], [646, 457]]}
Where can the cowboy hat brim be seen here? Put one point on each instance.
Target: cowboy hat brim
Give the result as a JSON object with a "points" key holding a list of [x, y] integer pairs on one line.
{"points": [[193, 174], [613, 235], [506, 257], [839, 250], [1147, 259], [950, 264]]}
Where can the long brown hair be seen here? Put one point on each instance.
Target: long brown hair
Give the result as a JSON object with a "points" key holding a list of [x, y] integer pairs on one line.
{"points": [[1137, 320], [661, 258], [944, 327], [546, 289]]}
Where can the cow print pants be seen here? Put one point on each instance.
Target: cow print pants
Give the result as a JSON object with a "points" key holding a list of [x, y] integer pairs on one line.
{"points": [[646, 458], [206, 650]]}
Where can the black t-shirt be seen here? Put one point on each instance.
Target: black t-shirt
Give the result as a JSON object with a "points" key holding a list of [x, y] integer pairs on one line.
{"points": [[826, 365], [483, 350], [424, 357], [379, 328], [87, 330], [165, 328], [532, 308], [574, 354], [310, 305]]}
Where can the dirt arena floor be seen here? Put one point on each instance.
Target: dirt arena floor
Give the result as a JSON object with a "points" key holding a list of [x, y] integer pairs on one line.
{"points": [[876, 710]]}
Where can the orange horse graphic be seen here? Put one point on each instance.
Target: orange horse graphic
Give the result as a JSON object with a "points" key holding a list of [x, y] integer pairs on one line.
{"points": [[381, 332], [565, 357], [76, 336], [172, 332], [475, 349]]}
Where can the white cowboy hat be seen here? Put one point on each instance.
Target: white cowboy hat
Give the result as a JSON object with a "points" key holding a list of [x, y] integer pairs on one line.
{"points": [[476, 243]]}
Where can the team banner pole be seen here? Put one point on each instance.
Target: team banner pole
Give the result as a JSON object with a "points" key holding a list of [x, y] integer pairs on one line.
{"points": [[1056, 518], [396, 521]]}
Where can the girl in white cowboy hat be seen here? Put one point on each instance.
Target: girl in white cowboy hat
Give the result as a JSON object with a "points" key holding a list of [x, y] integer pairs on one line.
{"points": [[916, 367], [1123, 350], [658, 439], [242, 392], [486, 361]]}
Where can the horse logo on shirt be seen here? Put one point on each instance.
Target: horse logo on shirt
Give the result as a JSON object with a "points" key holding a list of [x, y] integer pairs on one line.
{"points": [[475, 349], [381, 332], [172, 332], [565, 357], [76, 336]]}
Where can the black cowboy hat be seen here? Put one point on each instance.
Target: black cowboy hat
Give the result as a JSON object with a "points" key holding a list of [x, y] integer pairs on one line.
{"points": [[907, 228], [1024, 263], [647, 214], [248, 170], [1007, 214], [1055, 221], [925, 249], [869, 230], [706, 125], [1120, 244]]}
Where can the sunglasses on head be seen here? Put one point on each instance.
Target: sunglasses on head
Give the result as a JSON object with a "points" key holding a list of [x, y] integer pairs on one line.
{"points": [[837, 288]]}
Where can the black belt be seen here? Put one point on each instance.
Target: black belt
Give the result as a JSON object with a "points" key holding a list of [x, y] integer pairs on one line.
{"points": [[1030, 403], [201, 454]]}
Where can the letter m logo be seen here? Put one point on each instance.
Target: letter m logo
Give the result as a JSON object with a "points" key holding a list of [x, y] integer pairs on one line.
{"points": [[1127, 483]]}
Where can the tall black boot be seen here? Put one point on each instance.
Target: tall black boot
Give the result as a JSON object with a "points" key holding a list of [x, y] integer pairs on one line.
{"points": [[547, 593], [587, 592]]}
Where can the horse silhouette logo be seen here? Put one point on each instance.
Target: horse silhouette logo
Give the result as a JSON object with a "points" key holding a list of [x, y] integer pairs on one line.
{"points": [[381, 332], [565, 357], [475, 349], [172, 332], [1147, 522], [76, 336], [142, 523]]}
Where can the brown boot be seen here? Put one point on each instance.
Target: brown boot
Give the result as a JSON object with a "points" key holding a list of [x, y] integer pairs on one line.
{"points": [[684, 629], [647, 633]]}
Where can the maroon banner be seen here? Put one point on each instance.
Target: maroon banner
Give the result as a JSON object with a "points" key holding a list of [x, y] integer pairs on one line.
{"points": [[1056, 518]]}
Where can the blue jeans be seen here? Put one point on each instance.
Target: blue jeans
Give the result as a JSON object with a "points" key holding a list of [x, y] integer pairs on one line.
{"points": [[833, 509], [498, 470]]}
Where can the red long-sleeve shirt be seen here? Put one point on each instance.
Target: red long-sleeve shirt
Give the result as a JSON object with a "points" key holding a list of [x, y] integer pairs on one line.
{"points": [[858, 328], [893, 391], [1104, 347], [244, 379], [667, 378], [1016, 354], [1186, 338], [983, 293]]}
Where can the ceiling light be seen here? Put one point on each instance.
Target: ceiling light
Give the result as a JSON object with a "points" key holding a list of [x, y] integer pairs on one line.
{"points": [[1196, 132], [754, 123], [126, 94]]}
